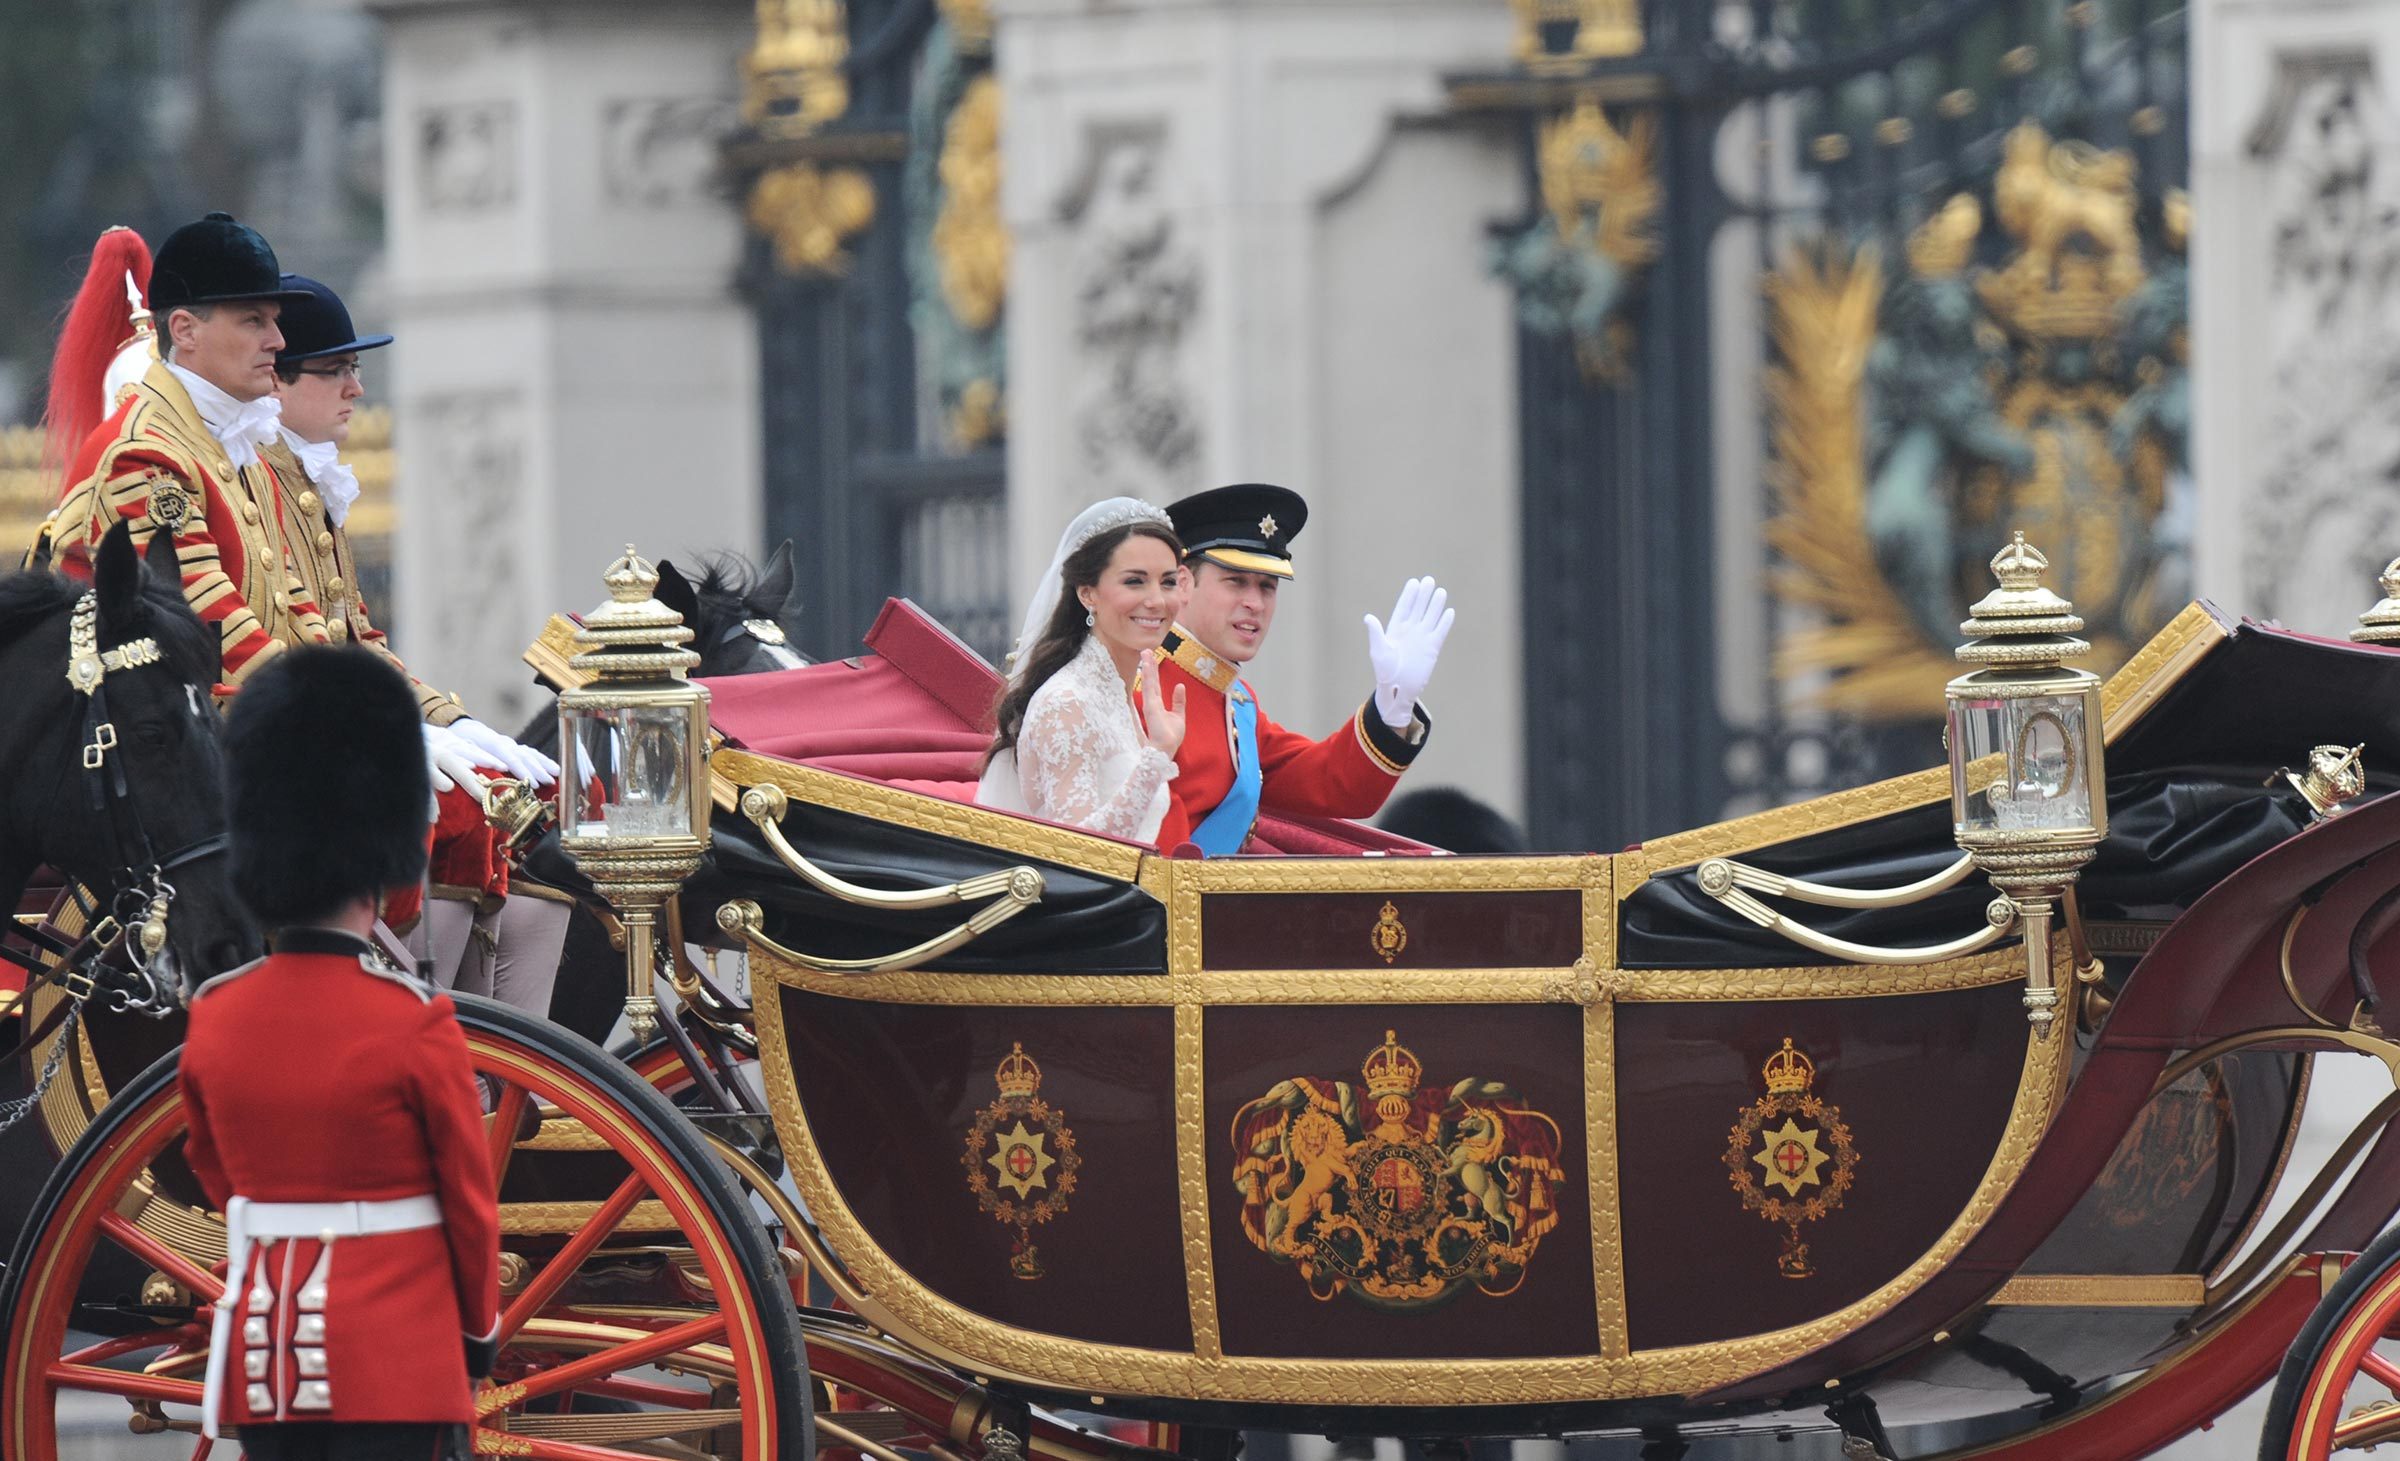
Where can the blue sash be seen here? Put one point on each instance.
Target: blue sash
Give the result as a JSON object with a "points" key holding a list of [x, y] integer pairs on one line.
{"points": [[1222, 832]]}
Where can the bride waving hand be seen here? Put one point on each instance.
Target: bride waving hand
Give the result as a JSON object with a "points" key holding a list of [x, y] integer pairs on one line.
{"points": [[1069, 746]]}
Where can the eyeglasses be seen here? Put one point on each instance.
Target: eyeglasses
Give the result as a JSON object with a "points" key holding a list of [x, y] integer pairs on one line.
{"points": [[350, 372]]}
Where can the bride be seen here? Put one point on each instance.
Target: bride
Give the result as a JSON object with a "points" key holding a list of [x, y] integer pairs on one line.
{"points": [[1069, 747]]}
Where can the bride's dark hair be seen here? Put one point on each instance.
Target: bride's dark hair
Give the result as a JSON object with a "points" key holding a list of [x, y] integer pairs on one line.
{"points": [[1064, 634]]}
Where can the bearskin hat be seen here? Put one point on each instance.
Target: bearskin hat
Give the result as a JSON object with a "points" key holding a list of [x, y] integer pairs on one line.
{"points": [[329, 798]]}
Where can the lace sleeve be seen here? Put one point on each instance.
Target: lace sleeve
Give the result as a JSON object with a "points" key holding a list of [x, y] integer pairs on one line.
{"points": [[1065, 753]]}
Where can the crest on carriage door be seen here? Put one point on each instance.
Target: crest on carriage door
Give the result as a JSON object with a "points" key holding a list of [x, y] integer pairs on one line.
{"points": [[1399, 1196], [1790, 1156], [1927, 404], [1020, 1158]]}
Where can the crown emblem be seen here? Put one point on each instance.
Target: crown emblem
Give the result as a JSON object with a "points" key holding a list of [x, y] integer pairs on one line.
{"points": [[1018, 1075], [1392, 1069], [1788, 1071]]}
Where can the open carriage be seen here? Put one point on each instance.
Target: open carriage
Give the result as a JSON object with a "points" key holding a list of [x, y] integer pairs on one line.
{"points": [[1742, 1129]]}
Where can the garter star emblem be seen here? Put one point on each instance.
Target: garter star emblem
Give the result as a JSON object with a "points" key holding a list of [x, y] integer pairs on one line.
{"points": [[1790, 1156], [1399, 1196], [1020, 1157], [1266, 526]]}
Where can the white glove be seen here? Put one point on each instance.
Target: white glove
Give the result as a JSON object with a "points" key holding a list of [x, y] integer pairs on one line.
{"points": [[450, 758], [521, 761], [1403, 651]]}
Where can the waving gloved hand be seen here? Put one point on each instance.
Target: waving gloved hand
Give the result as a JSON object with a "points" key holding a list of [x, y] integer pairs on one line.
{"points": [[450, 757], [521, 761], [1403, 651]]}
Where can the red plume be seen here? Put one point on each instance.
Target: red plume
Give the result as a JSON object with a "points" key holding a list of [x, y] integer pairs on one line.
{"points": [[98, 323]]}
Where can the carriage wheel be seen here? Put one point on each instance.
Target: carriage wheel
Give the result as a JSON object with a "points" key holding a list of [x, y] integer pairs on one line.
{"points": [[2339, 1388], [721, 1372]]}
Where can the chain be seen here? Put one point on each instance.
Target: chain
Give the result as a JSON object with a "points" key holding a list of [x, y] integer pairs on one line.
{"points": [[12, 1112]]}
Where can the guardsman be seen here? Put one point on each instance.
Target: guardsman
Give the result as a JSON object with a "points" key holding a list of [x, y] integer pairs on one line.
{"points": [[1234, 761], [483, 934], [179, 451], [335, 1117]]}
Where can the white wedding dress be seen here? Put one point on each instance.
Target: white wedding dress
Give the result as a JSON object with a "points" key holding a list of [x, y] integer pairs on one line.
{"points": [[1081, 757]]}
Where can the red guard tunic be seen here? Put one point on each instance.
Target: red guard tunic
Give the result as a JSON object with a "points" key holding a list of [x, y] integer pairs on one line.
{"points": [[1350, 773], [316, 1076]]}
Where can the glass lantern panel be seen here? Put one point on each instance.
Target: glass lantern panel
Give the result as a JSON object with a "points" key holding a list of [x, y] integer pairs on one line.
{"points": [[633, 776], [2017, 764]]}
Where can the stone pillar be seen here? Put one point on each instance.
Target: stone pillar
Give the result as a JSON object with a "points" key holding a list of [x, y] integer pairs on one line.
{"points": [[1249, 246], [2296, 305], [574, 369]]}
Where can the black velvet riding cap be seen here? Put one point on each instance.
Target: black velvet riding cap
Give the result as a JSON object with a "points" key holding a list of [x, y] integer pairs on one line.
{"points": [[1248, 527], [327, 794], [315, 324], [214, 261]]}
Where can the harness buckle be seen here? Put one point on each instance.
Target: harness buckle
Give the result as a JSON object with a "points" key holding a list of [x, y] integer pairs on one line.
{"points": [[74, 980], [104, 740]]}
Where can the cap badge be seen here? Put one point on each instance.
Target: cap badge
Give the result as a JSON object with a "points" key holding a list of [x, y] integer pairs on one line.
{"points": [[1266, 526]]}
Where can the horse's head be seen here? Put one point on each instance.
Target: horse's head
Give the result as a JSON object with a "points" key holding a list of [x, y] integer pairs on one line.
{"points": [[735, 612], [122, 788]]}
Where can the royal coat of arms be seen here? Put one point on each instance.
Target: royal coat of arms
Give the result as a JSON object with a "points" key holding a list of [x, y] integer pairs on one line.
{"points": [[1020, 1157], [1397, 1195], [1791, 1156]]}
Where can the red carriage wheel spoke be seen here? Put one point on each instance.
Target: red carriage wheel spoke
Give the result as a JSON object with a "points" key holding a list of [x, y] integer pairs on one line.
{"points": [[562, 1265], [506, 1113], [132, 1384], [205, 1286], [200, 1452], [109, 1349], [645, 1392], [628, 1356], [2382, 1370]]}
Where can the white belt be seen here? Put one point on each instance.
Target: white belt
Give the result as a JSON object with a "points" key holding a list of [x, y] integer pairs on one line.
{"points": [[248, 1222]]}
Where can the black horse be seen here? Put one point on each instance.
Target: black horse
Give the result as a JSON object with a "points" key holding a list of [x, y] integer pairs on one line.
{"points": [[115, 782], [145, 809], [736, 613]]}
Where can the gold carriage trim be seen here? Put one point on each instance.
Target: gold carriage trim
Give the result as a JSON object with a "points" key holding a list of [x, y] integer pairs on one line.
{"points": [[2103, 1291], [2125, 698], [893, 1299]]}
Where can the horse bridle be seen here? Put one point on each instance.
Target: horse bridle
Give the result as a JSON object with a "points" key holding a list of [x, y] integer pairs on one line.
{"points": [[133, 913]]}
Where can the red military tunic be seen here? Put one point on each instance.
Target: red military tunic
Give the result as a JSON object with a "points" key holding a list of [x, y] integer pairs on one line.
{"points": [[1350, 773], [316, 1075]]}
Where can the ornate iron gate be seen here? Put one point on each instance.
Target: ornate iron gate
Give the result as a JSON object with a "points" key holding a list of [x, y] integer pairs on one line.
{"points": [[869, 162], [1967, 218]]}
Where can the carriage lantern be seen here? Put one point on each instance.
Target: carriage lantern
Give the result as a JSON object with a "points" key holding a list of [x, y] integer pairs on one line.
{"points": [[2028, 794], [633, 794]]}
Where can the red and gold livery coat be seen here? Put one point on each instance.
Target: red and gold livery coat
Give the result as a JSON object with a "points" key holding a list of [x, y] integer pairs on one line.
{"points": [[153, 464], [1350, 773], [368, 1097]]}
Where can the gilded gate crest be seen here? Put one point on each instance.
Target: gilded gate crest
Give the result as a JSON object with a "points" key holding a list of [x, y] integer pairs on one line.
{"points": [[1784, 1144], [1399, 1196], [1020, 1158], [1922, 410]]}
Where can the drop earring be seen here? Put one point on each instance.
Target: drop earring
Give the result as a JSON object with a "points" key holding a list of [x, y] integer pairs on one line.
{"points": [[1088, 620]]}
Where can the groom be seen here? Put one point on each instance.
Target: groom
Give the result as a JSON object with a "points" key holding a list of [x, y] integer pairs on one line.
{"points": [[1234, 761]]}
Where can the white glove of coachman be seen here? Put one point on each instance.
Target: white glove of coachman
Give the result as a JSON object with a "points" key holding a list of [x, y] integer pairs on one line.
{"points": [[1403, 650], [520, 760], [450, 758]]}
